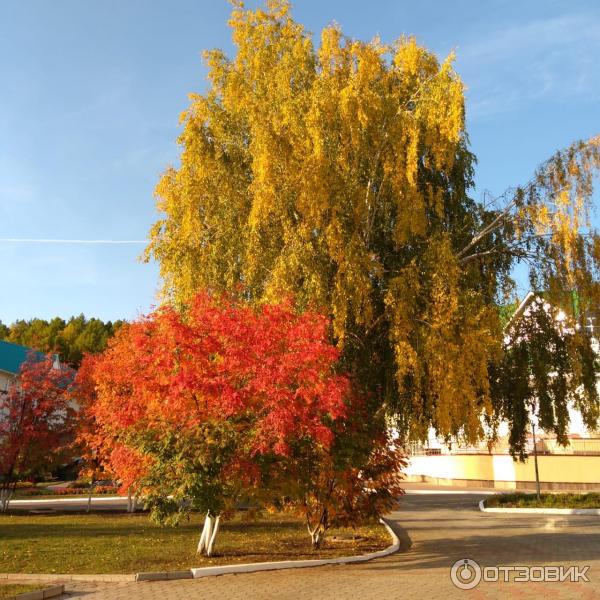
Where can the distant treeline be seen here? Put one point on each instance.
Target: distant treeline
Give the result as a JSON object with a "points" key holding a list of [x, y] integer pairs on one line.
{"points": [[70, 339]]}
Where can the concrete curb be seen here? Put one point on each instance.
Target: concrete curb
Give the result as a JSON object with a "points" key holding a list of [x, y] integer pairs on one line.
{"points": [[67, 577], [200, 572], [50, 592], [466, 491], [540, 511], [81, 499]]}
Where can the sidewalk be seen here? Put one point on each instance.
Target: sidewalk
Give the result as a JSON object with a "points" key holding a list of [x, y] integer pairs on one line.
{"points": [[413, 487]]}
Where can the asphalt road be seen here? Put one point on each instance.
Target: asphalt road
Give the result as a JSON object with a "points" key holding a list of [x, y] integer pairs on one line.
{"points": [[119, 503]]}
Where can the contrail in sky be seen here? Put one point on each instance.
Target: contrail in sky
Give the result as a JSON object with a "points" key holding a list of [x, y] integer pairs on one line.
{"points": [[48, 241]]}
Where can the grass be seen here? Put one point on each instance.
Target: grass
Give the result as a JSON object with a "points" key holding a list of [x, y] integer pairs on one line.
{"points": [[126, 543], [590, 500], [10, 590]]}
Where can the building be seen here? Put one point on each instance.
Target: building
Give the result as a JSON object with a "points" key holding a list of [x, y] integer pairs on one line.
{"points": [[575, 467], [12, 356]]}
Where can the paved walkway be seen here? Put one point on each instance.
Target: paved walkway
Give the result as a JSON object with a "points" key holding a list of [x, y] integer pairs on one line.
{"points": [[119, 503], [437, 530]]}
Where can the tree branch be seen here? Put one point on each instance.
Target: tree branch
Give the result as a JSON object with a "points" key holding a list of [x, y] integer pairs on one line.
{"points": [[495, 224]]}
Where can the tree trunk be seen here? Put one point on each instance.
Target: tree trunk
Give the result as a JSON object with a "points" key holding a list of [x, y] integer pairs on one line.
{"points": [[535, 460], [5, 496], [316, 538], [209, 535], [89, 502], [215, 529], [131, 502], [317, 533]]}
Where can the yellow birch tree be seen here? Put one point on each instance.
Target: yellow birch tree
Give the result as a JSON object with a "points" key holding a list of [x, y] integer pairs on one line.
{"points": [[341, 174]]}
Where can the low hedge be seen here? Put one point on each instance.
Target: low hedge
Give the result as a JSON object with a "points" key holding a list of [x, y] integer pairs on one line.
{"points": [[556, 500], [69, 491]]}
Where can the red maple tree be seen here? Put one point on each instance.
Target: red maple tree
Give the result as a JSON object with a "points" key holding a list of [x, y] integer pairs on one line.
{"points": [[37, 422], [190, 408], [200, 408], [221, 361]]}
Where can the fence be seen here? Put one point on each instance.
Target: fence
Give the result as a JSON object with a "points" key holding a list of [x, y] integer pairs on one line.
{"points": [[577, 446]]}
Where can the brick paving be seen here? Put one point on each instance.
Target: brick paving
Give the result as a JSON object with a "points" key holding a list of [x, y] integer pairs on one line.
{"points": [[436, 530]]}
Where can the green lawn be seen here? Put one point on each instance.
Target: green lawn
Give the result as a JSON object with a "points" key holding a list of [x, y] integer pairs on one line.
{"points": [[125, 543], [10, 590], [591, 500]]}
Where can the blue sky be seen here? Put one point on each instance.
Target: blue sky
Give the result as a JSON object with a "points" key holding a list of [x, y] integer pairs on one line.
{"points": [[91, 91]]}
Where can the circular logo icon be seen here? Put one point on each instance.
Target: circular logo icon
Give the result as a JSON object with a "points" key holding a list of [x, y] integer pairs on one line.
{"points": [[465, 574]]}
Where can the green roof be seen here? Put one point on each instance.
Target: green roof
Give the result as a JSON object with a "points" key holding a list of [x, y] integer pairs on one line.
{"points": [[12, 356]]}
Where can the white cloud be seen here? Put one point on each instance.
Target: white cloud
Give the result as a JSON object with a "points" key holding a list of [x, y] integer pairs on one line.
{"points": [[553, 59], [540, 35]]}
